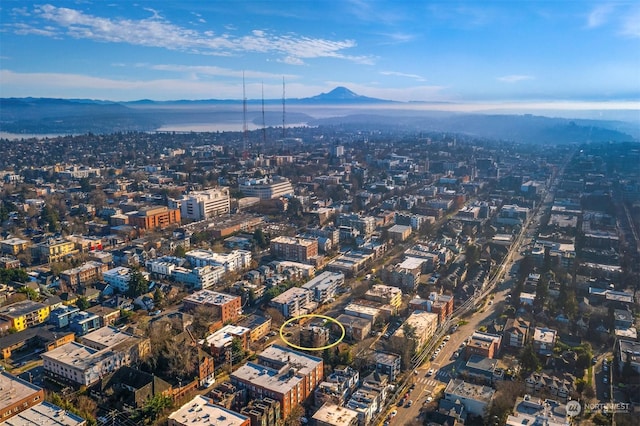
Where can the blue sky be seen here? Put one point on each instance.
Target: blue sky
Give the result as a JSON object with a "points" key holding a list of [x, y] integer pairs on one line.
{"points": [[496, 52]]}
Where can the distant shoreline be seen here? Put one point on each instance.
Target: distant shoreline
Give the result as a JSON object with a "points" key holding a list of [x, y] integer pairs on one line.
{"points": [[179, 128]]}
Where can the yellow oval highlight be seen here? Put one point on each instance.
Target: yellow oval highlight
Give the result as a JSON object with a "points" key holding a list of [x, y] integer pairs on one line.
{"points": [[304, 348]]}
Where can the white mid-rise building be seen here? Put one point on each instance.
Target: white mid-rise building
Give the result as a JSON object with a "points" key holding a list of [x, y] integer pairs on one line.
{"points": [[200, 205], [119, 277], [237, 260], [266, 188]]}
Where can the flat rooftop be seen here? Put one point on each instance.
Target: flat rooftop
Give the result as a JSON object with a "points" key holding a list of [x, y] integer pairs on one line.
{"points": [[106, 337], [202, 411], [265, 377], [13, 389], [276, 354], [208, 297], [469, 390], [411, 263], [45, 414], [75, 355], [19, 309], [225, 335], [361, 309], [335, 415]]}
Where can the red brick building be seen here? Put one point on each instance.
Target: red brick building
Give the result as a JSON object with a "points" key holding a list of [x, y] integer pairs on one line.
{"points": [[17, 395], [483, 344], [226, 307], [154, 218], [294, 249]]}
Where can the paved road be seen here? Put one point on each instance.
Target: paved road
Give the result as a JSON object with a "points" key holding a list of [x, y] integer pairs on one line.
{"points": [[444, 365]]}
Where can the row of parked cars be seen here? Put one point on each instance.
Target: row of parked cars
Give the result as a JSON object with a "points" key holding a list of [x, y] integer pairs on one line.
{"points": [[439, 348]]}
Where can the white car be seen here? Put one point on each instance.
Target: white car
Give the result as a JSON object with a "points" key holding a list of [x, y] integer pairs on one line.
{"points": [[430, 372], [447, 337], [429, 399]]}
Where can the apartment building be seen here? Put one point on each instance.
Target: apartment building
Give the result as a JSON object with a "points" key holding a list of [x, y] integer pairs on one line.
{"points": [[386, 294], [335, 415], [266, 188], [17, 395], [119, 278], [516, 333], [324, 286], [236, 260], [80, 365], [201, 205], [45, 414], [226, 307], [474, 398], [202, 411], [200, 277], [425, 325], [441, 304], [282, 374], [294, 249], [258, 325], [293, 302], [388, 364], [154, 218], [512, 215], [13, 246], [53, 250], [365, 225], [85, 274], [220, 341], [484, 344], [544, 339], [27, 313], [263, 412]]}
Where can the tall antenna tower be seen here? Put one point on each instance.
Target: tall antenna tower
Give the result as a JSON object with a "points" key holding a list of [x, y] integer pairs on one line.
{"points": [[283, 110], [264, 126], [245, 129]]}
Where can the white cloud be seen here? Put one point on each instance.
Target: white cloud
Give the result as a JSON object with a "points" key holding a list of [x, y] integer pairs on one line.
{"points": [[631, 23], [599, 16], [217, 71], [155, 31], [58, 85], [402, 74], [514, 78]]}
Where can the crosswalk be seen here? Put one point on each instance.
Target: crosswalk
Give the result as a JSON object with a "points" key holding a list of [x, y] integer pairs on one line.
{"points": [[427, 381]]}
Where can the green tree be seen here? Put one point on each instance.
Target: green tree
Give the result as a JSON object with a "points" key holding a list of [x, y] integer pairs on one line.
{"points": [[50, 217], [180, 251], [156, 405], [82, 303], [158, 296], [294, 208], [472, 254], [237, 349], [529, 359], [31, 293], [138, 284], [260, 238], [17, 275]]}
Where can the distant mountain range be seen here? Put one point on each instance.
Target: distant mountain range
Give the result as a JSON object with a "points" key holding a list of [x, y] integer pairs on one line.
{"points": [[341, 105]]}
